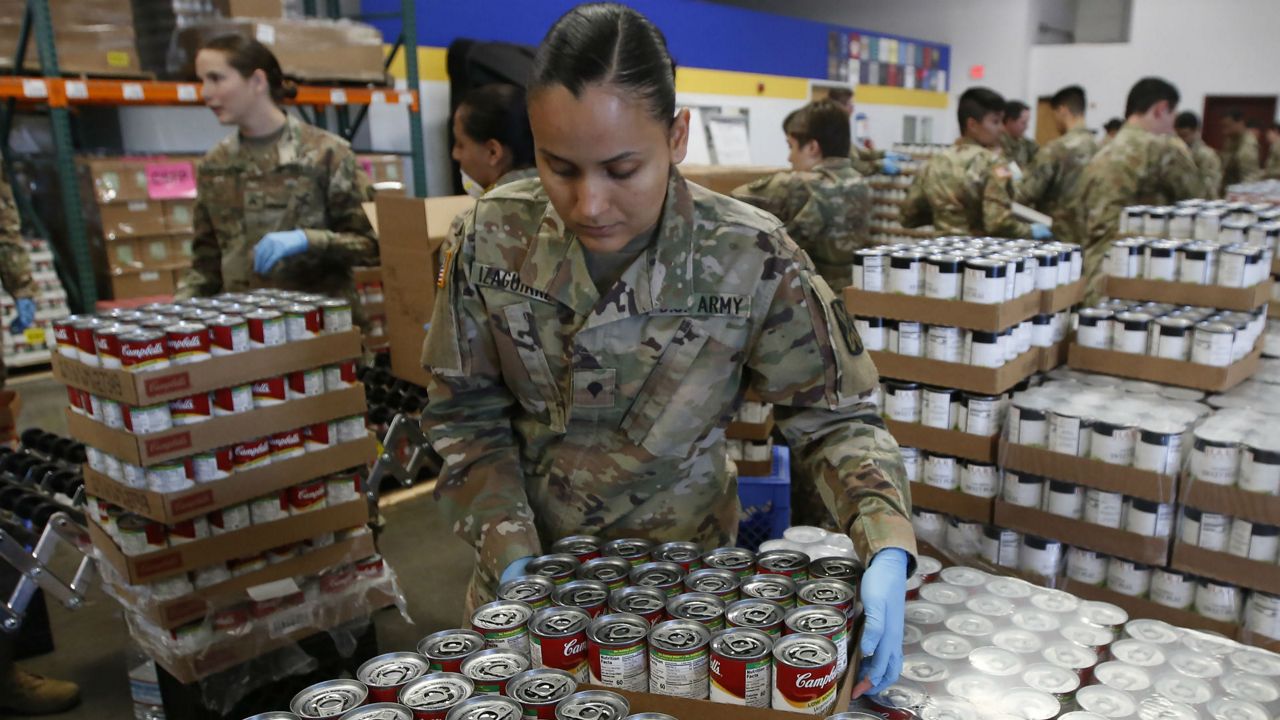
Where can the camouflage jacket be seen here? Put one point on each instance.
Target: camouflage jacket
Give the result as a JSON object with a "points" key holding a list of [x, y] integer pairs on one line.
{"points": [[1052, 183], [965, 190], [558, 411], [1137, 167], [1241, 160], [1021, 150], [1272, 170], [315, 184], [865, 160], [1210, 167], [15, 262], [826, 210]]}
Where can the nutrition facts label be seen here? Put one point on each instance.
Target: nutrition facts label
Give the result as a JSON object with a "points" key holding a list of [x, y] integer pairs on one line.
{"points": [[756, 679], [626, 669], [679, 675]]}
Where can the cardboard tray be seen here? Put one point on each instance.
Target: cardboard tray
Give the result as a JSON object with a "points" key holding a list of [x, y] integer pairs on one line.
{"points": [[974, 316], [750, 431], [1053, 356], [1142, 608], [952, 502], [151, 386], [1160, 370], [170, 508], [1087, 472], [948, 442], [1062, 297], [686, 709], [234, 651], [990, 381], [218, 431], [173, 613], [1252, 574], [1139, 548], [1273, 310], [215, 549], [1230, 501], [1213, 296]]}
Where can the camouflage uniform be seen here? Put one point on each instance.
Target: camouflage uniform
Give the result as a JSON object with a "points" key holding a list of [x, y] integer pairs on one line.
{"points": [[1272, 169], [826, 210], [966, 190], [15, 262], [311, 181], [865, 160], [1209, 165], [1021, 150], [513, 175], [1137, 167], [1052, 183], [561, 411], [1241, 161]]}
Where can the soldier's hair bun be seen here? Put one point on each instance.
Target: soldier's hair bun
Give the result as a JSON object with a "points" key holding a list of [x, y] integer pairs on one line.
{"points": [[248, 56], [288, 90]]}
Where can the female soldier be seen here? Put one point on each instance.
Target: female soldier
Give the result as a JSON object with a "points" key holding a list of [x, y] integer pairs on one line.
{"points": [[278, 202], [597, 330], [492, 143]]}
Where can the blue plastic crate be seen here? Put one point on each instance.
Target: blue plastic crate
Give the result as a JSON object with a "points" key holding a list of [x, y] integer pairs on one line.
{"points": [[766, 502]]}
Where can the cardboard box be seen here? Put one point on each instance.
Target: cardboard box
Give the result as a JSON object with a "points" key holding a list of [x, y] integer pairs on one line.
{"points": [[177, 216], [216, 432], [411, 231], [1054, 356], [686, 709], [116, 180], [952, 502], [150, 386], [180, 611], [948, 442], [171, 508], [1139, 548], [1062, 297], [180, 249], [750, 431], [1252, 574], [145, 283], [123, 255], [80, 12], [309, 49], [386, 172], [974, 316], [155, 253], [1214, 296], [1160, 370], [991, 381], [1088, 472], [1143, 608], [724, 179], [1230, 501], [250, 8], [83, 49], [1273, 310], [252, 540], [135, 218]]}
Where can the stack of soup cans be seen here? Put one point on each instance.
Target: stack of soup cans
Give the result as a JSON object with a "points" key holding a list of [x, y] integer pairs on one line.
{"points": [[1200, 335]]}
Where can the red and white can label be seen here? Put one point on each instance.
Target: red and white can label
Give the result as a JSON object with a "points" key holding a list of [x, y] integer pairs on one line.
{"points": [[233, 400], [85, 348], [112, 413], [188, 343], [621, 667], [252, 453], [266, 330], [269, 508], [230, 519], [107, 342], [343, 487], [143, 351], [567, 653], [306, 383], [351, 428], [230, 619], [65, 337], [809, 690], [269, 391], [146, 419], [307, 497], [211, 465], [196, 528], [741, 682], [74, 400], [321, 435], [287, 444], [340, 375], [191, 409], [229, 336], [371, 567], [302, 322], [337, 581]]}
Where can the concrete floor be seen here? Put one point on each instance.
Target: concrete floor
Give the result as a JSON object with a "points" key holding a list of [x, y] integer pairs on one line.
{"points": [[432, 565]]}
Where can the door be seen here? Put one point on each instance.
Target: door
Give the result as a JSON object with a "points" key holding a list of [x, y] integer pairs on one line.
{"points": [[1046, 128], [1259, 108]]}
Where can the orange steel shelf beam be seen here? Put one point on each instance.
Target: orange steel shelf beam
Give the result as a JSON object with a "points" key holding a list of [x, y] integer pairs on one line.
{"points": [[66, 92]]}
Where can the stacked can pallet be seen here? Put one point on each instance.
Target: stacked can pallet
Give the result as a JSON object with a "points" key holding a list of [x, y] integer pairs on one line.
{"points": [[750, 438], [225, 442], [372, 306], [30, 347], [889, 192]]}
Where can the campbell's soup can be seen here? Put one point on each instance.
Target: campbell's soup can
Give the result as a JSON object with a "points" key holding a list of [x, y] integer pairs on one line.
{"points": [[230, 519], [329, 699], [266, 328], [594, 705], [742, 668], [343, 487], [191, 409], [352, 428], [634, 550], [64, 336], [804, 674], [614, 572], [738, 561], [618, 652], [756, 614], [106, 339], [590, 595], [228, 334], [302, 322], [270, 507], [144, 419], [233, 400], [251, 454], [370, 568], [75, 401], [539, 691], [188, 342], [82, 330], [559, 569], [836, 593], [685, 554], [143, 350], [582, 547], [269, 391], [533, 590], [558, 639], [679, 654], [492, 669], [386, 674], [432, 696], [321, 435], [336, 315], [836, 568], [661, 575], [648, 603], [340, 375], [446, 650], [305, 383], [778, 588], [504, 625], [703, 608], [210, 465], [724, 584], [306, 497], [286, 445], [824, 620], [791, 563]]}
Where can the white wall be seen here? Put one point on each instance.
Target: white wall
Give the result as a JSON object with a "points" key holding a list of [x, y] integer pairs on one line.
{"points": [[1224, 47]]}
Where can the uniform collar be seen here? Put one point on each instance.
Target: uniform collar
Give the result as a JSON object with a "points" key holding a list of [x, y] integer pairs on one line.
{"points": [[966, 140], [661, 276], [834, 163], [513, 176], [287, 147]]}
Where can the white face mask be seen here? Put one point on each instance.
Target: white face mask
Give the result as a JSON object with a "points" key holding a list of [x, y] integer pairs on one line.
{"points": [[470, 186]]}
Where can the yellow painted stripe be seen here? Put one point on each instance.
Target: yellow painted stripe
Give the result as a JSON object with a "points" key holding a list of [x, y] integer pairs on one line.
{"points": [[877, 95], [431, 64]]}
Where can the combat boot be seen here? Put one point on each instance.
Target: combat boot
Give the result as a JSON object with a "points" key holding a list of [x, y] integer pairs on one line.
{"points": [[24, 693]]}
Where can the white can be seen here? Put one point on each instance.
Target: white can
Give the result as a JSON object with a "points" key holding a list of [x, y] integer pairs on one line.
{"points": [[941, 471], [1000, 546], [1028, 425], [1069, 432], [269, 508], [1218, 601], [1173, 589], [906, 337], [911, 463], [1040, 556], [1130, 331], [1182, 223], [964, 538], [1128, 578], [168, 477], [1064, 499], [1233, 266], [1215, 458], [1254, 541], [984, 281], [1124, 259], [1172, 338], [1046, 269], [982, 349], [351, 428], [1113, 440], [945, 344], [870, 269], [1197, 264], [902, 401], [1159, 448], [230, 519], [1104, 508], [1093, 329], [929, 526], [1022, 489], [941, 408], [906, 273], [1212, 343], [979, 479], [943, 277], [1156, 222], [1260, 469], [1160, 262], [979, 414], [1210, 531], [1086, 566], [873, 331], [1262, 615], [1148, 518], [1207, 224]]}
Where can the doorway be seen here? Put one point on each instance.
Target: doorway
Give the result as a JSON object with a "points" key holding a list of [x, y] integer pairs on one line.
{"points": [[1259, 108]]}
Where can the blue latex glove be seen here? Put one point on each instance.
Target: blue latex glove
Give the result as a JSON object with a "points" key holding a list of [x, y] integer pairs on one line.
{"points": [[515, 569], [889, 166], [884, 597], [1040, 231], [26, 316], [276, 246], [896, 156]]}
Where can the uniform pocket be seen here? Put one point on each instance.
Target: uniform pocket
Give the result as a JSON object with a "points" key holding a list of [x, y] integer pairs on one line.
{"points": [[541, 396]]}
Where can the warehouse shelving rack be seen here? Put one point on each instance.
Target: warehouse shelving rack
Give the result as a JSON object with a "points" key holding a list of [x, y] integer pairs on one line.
{"points": [[60, 95]]}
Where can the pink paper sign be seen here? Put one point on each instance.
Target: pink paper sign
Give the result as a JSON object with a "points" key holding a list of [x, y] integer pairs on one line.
{"points": [[367, 165], [171, 180]]}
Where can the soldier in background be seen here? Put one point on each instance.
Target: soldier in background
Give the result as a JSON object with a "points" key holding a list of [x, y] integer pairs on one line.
{"points": [[866, 159], [492, 143], [1241, 158], [1187, 125], [1144, 165], [1111, 127], [1272, 170], [1052, 183], [598, 326], [278, 202], [968, 188], [1015, 144], [21, 692], [823, 202]]}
